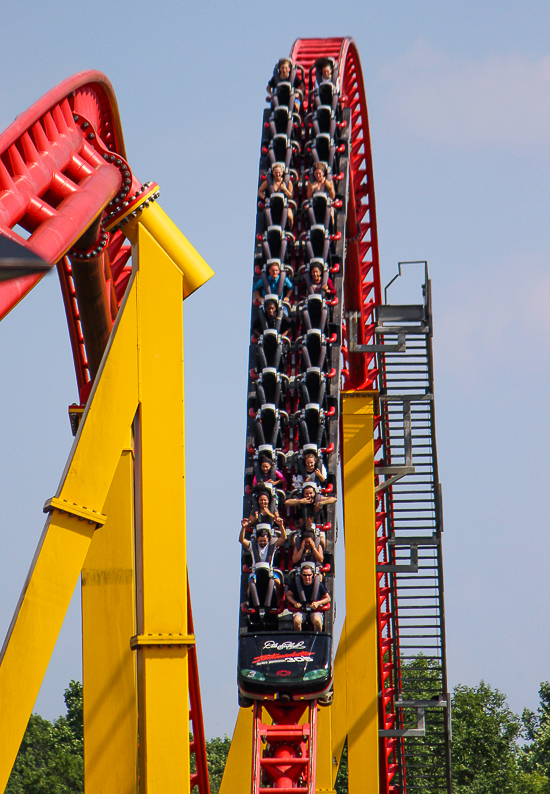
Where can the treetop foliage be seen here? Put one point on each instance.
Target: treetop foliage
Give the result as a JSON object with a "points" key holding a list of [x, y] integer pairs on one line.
{"points": [[494, 751]]}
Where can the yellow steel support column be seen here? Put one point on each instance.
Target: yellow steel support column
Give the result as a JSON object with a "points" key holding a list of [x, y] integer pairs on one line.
{"points": [[74, 514], [324, 782], [148, 337], [109, 664], [338, 710], [162, 639], [237, 775], [360, 631]]}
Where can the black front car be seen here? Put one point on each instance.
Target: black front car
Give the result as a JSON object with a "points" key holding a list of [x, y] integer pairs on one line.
{"points": [[296, 663]]}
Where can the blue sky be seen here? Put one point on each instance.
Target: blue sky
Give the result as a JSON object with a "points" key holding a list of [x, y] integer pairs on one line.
{"points": [[459, 110]]}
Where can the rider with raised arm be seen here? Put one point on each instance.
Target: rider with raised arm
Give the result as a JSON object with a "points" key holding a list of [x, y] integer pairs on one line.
{"points": [[262, 538], [311, 498]]}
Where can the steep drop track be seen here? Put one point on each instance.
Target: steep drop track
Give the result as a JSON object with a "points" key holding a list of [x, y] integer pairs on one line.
{"points": [[289, 413]]}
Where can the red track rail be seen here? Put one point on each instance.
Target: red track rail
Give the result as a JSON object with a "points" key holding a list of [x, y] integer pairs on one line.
{"points": [[63, 167], [362, 292]]}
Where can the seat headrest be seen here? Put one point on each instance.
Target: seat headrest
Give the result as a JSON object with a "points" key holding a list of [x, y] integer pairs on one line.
{"points": [[271, 297]]}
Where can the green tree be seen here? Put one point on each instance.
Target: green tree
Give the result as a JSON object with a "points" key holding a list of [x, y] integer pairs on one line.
{"points": [[485, 749], [50, 757], [217, 751], [342, 776], [535, 756]]}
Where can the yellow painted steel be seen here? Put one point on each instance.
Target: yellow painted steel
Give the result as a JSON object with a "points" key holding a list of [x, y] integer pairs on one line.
{"points": [[237, 774], [326, 763], [160, 524], [138, 388], [360, 630], [338, 710], [66, 538], [109, 666], [193, 267]]}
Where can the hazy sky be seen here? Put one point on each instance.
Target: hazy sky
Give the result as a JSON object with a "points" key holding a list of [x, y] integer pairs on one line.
{"points": [[459, 109]]}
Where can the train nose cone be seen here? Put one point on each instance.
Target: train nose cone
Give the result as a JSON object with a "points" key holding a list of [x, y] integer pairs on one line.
{"points": [[16, 260]]}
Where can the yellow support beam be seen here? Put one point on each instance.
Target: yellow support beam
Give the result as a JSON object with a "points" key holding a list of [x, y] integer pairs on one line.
{"points": [[109, 668], [139, 387], [160, 525], [193, 268], [326, 762], [338, 710], [359, 683], [237, 775], [66, 538]]}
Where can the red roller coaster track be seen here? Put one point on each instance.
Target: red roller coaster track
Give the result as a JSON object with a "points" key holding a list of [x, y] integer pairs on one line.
{"points": [[362, 294]]}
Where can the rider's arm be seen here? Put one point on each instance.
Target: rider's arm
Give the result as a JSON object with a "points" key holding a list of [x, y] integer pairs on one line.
{"points": [[262, 189], [242, 540], [292, 600]]}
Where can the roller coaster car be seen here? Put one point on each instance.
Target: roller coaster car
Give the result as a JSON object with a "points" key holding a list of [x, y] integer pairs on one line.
{"points": [[314, 313], [281, 121], [291, 664], [317, 242], [274, 243], [323, 149], [269, 387], [281, 148], [323, 120], [318, 209], [275, 207], [285, 95], [312, 387]]}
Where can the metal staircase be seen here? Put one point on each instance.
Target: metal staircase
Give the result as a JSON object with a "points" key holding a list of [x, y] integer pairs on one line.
{"points": [[410, 563]]}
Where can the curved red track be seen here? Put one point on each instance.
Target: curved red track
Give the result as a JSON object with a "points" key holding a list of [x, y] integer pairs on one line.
{"points": [[362, 292]]}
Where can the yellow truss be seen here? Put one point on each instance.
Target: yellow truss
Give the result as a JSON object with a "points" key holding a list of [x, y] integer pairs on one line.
{"points": [[119, 518]]}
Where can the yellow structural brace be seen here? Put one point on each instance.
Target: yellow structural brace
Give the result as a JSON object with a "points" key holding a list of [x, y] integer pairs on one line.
{"points": [[356, 679], [108, 619], [126, 475]]}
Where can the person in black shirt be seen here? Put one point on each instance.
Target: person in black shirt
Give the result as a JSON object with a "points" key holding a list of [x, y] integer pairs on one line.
{"points": [[284, 69], [271, 316], [307, 586]]}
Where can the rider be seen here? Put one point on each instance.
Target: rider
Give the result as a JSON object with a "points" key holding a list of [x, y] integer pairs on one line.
{"points": [[314, 471], [266, 465], [271, 316], [307, 548], [284, 68], [273, 275], [301, 593], [279, 186]]}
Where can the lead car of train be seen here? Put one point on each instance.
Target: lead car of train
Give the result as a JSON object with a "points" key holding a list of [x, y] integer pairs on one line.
{"points": [[293, 389]]}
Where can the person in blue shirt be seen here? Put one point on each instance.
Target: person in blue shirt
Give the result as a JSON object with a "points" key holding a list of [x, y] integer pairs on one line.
{"points": [[273, 277]]}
